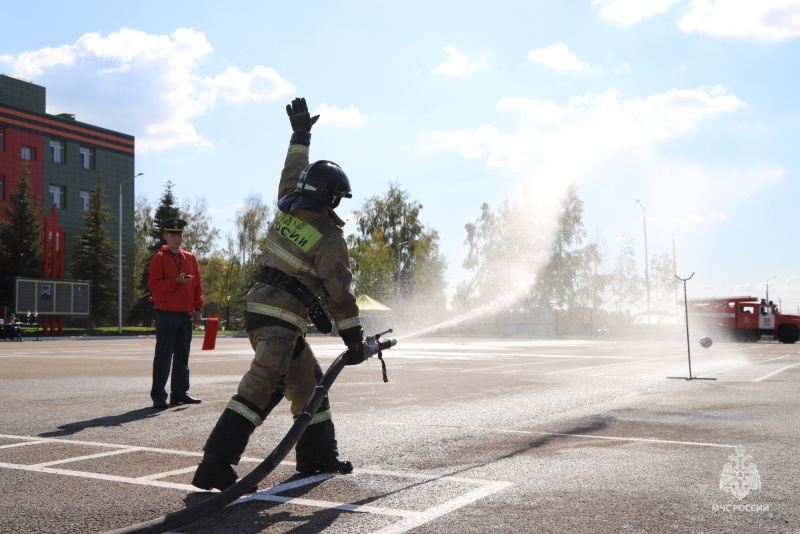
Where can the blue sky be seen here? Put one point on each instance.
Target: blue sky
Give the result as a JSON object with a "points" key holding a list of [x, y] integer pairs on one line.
{"points": [[688, 106]]}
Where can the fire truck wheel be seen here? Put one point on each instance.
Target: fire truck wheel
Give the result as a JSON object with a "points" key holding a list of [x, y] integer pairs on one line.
{"points": [[788, 334]]}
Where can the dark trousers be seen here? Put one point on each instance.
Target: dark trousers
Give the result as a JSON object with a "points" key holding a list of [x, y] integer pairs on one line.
{"points": [[173, 338]]}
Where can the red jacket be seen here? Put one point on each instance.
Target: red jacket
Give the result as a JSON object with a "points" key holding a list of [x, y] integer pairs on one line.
{"points": [[168, 294]]}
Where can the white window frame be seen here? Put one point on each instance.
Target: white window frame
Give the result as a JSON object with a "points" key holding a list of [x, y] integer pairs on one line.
{"points": [[57, 196], [87, 157], [57, 151], [28, 153], [86, 199]]}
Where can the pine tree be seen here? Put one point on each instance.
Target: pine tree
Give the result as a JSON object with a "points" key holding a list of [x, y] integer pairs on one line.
{"points": [[90, 261], [20, 236], [142, 309]]}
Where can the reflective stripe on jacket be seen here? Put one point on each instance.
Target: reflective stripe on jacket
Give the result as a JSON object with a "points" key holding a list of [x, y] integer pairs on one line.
{"points": [[308, 245]]}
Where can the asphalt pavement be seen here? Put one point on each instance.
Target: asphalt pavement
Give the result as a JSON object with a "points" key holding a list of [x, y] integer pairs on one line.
{"points": [[468, 435]]}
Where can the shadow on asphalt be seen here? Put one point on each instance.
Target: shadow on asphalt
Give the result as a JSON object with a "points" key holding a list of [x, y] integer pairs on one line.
{"points": [[108, 421], [253, 517]]}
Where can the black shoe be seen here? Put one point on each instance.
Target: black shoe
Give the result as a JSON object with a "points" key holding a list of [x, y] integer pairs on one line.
{"points": [[185, 399], [325, 466], [160, 405], [208, 476]]}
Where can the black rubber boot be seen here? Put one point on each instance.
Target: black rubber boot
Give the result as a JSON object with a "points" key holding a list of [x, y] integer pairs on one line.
{"points": [[317, 450], [223, 448], [331, 465], [212, 474]]}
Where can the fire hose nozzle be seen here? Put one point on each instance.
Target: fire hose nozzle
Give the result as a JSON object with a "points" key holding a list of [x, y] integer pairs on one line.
{"points": [[376, 347]]}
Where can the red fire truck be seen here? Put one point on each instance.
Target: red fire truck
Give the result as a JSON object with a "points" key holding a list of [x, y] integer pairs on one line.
{"points": [[743, 318]]}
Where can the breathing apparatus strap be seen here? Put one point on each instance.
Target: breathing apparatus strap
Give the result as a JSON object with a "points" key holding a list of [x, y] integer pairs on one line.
{"points": [[281, 280]]}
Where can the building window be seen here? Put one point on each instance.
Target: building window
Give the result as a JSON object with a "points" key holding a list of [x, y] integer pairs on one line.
{"points": [[28, 153], [57, 151], [87, 158], [86, 200], [57, 196]]}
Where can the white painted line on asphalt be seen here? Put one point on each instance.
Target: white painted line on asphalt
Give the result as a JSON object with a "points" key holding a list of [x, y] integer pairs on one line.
{"points": [[23, 444], [166, 474], [101, 444], [98, 476], [604, 365], [444, 508], [409, 519], [86, 457], [782, 369]]}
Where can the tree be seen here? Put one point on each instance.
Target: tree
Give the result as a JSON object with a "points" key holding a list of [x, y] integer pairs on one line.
{"points": [[200, 234], [252, 221], [559, 282], [20, 236], [143, 223], [395, 258], [142, 309], [625, 286], [662, 271], [90, 260]]}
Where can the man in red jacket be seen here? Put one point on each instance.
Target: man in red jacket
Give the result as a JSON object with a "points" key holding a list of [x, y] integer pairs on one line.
{"points": [[177, 291]]}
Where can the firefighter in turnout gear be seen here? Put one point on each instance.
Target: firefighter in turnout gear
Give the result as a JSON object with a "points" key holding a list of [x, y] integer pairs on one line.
{"points": [[305, 270]]}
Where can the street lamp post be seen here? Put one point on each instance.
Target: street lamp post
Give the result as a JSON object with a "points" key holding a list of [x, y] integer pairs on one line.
{"points": [[768, 279], [119, 244], [646, 261]]}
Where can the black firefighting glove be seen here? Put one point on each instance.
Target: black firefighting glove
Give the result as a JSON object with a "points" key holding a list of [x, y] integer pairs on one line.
{"points": [[299, 117], [356, 349]]}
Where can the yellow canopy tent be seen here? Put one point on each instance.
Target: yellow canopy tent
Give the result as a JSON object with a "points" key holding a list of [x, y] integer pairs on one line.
{"points": [[367, 303]]}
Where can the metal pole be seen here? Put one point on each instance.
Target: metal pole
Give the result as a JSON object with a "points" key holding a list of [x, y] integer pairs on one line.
{"points": [[646, 262], [688, 346], [119, 244], [768, 279], [686, 310]]}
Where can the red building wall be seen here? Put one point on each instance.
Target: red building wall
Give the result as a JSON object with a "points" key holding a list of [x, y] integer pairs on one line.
{"points": [[11, 163]]}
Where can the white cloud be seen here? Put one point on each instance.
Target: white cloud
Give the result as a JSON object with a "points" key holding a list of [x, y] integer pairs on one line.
{"points": [[593, 133], [535, 111], [558, 57], [262, 83], [768, 20], [148, 81], [591, 125], [334, 115], [29, 65], [632, 11], [457, 64]]}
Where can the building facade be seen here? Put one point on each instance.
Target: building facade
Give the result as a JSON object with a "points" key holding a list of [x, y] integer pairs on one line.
{"points": [[64, 157]]}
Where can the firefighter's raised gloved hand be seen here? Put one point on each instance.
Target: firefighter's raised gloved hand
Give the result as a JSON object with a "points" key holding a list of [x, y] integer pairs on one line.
{"points": [[299, 117], [356, 350]]}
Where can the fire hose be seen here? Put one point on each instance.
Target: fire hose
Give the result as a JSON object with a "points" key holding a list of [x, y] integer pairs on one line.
{"points": [[373, 345]]}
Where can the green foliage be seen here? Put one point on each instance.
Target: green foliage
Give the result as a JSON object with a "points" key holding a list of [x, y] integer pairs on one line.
{"points": [[394, 258], [90, 259], [200, 235], [522, 263], [20, 236], [625, 285], [143, 223], [663, 281]]}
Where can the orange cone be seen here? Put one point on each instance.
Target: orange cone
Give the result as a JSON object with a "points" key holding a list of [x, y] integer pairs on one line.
{"points": [[210, 340]]}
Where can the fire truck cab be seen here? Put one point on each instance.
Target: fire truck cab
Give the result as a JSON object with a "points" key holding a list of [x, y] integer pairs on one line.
{"points": [[743, 318]]}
